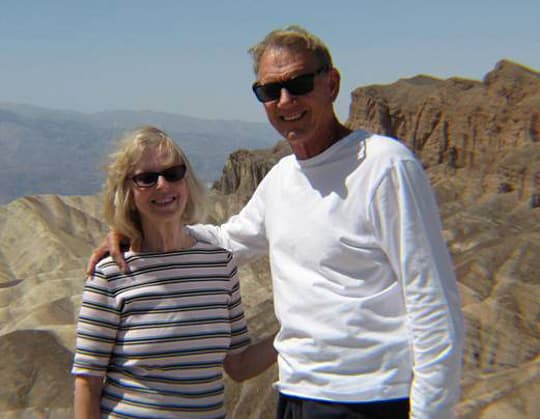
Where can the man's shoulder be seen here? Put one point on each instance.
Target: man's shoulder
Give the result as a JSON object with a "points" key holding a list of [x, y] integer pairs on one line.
{"points": [[386, 150], [386, 144], [284, 161], [279, 169]]}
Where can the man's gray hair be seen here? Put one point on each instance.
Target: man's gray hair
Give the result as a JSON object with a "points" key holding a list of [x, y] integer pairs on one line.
{"points": [[294, 37]]}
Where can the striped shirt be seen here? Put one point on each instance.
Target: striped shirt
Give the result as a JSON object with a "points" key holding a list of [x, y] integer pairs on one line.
{"points": [[159, 334]]}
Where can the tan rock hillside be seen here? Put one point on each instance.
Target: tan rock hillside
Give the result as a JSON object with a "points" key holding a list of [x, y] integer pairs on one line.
{"points": [[45, 244]]}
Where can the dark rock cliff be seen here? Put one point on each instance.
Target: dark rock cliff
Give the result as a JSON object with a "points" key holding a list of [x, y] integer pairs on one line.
{"points": [[470, 124], [240, 176]]}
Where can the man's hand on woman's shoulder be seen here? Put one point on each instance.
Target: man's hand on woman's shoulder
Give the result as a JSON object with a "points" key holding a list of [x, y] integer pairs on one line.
{"points": [[111, 245]]}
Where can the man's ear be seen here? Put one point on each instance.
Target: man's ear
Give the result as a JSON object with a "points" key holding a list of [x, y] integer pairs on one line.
{"points": [[334, 79]]}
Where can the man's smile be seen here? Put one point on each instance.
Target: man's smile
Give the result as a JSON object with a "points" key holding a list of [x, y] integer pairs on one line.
{"points": [[294, 117]]}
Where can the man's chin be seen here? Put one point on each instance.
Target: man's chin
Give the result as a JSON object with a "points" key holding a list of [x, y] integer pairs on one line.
{"points": [[294, 135], [300, 141]]}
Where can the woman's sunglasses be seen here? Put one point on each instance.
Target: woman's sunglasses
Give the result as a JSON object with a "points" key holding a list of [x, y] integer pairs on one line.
{"points": [[149, 179], [299, 85]]}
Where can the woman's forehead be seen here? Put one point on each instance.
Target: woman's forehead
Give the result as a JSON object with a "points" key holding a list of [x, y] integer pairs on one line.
{"points": [[156, 157]]}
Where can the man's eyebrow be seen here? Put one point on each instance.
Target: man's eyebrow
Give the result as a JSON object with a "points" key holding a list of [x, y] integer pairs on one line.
{"points": [[288, 76]]}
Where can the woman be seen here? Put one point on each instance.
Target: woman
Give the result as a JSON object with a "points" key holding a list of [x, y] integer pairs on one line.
{"points": [[152, 343]]}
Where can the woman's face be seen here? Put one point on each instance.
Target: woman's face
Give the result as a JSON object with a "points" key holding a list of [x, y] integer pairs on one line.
{"points": [[165, 200]]}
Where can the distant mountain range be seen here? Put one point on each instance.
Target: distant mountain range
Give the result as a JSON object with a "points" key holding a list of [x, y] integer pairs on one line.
{"points": [[61, 152]]}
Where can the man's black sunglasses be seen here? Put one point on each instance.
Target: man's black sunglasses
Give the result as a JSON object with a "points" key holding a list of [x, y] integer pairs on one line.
{"points": [[299, 85], [149, 179]]}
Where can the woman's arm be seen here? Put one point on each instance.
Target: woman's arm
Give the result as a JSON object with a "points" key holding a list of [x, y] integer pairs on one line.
{"points": [[252, 361], [88, 390]]}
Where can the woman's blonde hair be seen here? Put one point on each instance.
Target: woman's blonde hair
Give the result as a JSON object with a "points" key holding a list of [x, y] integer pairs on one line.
{"points": [[293, 37], [119, 207]]}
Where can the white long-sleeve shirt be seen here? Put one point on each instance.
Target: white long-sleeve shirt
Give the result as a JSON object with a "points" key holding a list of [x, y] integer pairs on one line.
{"points": [[363, 283]]}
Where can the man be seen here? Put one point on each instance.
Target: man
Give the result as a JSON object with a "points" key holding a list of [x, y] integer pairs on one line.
{"points": [[364, 288]]}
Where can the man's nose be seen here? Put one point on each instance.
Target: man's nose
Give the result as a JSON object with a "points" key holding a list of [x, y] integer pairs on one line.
{"points": [[285, 97]]}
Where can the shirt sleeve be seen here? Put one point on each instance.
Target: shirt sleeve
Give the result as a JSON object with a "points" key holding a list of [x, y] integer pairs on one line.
{"points": [[407, 224], [97, 327], [239, 331], [243, 234]]}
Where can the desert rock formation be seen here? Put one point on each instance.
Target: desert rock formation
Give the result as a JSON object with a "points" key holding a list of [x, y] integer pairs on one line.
{"points": [[464, 122], [479, 141]]}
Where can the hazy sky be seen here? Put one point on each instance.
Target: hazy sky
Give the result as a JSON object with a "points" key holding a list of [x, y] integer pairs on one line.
{"points": [[189, 56]]}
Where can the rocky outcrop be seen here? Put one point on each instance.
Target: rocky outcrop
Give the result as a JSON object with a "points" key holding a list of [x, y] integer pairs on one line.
{"points": [[462, 123], [40, 375], [44, 245], [240, 176]]}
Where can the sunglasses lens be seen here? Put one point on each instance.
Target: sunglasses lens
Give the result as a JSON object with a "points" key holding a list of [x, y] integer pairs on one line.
{"points": [[174, 174], [149, 179], [272, 91], [267, 92], [300, 85], [145, 180]]}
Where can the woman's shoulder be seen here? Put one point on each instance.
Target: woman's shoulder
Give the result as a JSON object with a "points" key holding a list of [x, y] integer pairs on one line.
{"points": [[108, 267], [212, 249]]}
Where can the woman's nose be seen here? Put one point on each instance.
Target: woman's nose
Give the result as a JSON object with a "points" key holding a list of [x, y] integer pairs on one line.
{"points": [[161, 182]]}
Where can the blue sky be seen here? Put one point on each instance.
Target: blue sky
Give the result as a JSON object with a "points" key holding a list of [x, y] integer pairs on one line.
{"points": [[189, 56]]}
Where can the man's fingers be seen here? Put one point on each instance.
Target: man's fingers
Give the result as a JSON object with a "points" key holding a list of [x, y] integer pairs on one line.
{"points": [[99, 253], [111, 245], [118, 257], [114, 241], [92, 262]]}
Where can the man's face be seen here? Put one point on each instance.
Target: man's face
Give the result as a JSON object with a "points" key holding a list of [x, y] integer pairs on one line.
{"points": [[307, 121]]}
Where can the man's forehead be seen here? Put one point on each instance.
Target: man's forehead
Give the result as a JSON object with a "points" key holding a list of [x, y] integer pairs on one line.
{"points": [[281, 61], [286, 52]]}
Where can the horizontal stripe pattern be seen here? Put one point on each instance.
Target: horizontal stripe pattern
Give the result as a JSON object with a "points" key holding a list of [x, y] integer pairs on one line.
{"points": [[160, 333]]}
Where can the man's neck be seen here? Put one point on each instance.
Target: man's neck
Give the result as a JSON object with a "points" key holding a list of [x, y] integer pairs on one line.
{"points": [[307, 150]]}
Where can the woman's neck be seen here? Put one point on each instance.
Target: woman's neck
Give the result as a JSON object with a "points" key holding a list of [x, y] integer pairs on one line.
{"points": [[165, 237]]}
